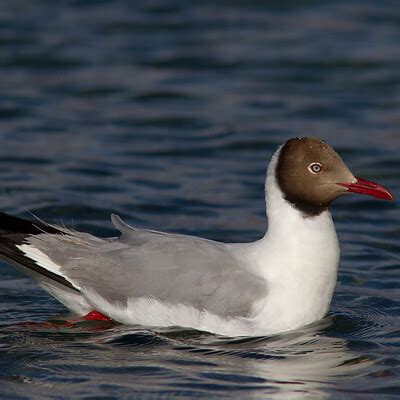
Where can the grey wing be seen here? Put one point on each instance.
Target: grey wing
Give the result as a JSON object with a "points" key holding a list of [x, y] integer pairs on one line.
{"points": [[177, 269]]}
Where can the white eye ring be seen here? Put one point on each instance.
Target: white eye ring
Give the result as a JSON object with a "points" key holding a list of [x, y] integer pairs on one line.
{"points": [[315, 168]]}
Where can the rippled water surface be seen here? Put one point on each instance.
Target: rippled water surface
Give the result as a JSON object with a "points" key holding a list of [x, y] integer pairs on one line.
{"points": [[168, 112]]}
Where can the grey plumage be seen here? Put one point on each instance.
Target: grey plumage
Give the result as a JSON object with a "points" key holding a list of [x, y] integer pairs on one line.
{"points": [[176, 269]]}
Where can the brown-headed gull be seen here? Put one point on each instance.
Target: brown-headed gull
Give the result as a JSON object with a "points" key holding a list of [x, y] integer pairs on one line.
{"points": [[278, 283]]}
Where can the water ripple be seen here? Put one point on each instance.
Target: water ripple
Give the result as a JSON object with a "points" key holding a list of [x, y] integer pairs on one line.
{"points": [[167, 112]]}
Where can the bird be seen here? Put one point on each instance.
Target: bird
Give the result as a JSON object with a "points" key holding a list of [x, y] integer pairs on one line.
{"points": [[279, 283]]}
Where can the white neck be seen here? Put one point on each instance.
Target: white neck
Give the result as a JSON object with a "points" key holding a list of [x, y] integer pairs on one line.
{"points": [[298, 257]]}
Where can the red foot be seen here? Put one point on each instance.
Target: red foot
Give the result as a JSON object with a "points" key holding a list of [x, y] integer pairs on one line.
{"points": [[60, 324], [95, 316]]}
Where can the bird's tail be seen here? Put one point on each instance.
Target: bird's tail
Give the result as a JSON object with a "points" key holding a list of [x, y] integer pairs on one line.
{"points": [[14, 232]]}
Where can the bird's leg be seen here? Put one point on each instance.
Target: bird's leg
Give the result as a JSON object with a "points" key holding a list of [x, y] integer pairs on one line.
{"points": [[94, 316]]}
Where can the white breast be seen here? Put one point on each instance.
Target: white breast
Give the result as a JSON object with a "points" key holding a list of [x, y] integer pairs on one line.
{"points": [[298, 258]]}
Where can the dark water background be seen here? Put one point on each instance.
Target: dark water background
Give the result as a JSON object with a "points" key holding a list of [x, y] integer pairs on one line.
{"points": [[168, 112]]}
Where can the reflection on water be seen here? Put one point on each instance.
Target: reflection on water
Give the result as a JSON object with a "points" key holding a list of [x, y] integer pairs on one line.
{"points": [[174, 361], [167, 111]]}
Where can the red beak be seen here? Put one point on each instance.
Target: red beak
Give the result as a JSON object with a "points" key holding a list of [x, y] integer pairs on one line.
{"points": [[369, 188]]}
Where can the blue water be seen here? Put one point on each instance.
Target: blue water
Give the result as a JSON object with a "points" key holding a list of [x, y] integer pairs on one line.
{"points": [[168, 112]]}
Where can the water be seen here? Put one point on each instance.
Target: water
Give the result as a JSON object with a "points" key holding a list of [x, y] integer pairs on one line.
{"points": [[168, 112]]}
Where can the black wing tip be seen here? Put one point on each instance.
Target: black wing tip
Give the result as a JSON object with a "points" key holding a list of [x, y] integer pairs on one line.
{"points": [[12, 224], [13, 232]]}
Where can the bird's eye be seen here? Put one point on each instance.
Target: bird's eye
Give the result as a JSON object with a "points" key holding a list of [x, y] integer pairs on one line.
{"points": [[315, 168]]}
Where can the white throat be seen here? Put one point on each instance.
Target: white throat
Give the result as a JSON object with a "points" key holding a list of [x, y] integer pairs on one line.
{"points": [[298, 257]]}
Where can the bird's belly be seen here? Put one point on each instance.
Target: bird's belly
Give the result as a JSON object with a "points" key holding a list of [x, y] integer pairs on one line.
{"points": [[153, 312]]}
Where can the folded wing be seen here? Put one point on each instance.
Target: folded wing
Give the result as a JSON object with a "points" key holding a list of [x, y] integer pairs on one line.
{"points": [[176, 269]]}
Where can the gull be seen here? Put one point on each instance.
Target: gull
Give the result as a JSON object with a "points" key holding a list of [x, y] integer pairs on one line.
{"points": [[281, 282]]}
